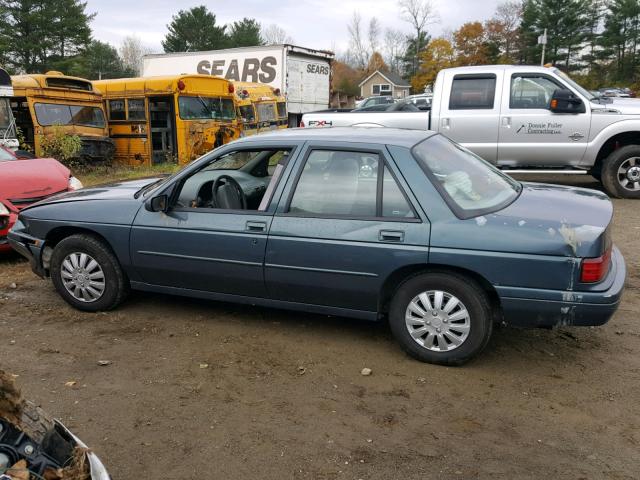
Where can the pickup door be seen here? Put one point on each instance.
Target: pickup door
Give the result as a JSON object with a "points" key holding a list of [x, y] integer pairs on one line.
{"points": [[470, 111], [532, 135]]}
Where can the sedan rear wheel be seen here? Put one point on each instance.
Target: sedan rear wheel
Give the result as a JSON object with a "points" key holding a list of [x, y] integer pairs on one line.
{"points": [[441, 318], [87, 274]]}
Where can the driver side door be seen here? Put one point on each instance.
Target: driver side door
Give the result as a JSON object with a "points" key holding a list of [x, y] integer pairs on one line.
{"points": [[197, 247]]}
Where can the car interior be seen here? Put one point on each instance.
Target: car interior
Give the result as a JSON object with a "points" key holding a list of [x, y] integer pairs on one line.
{"points": [[238, 181]]}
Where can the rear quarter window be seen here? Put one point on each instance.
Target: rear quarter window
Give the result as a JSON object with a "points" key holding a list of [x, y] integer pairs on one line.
{"points": [[472, 92]]}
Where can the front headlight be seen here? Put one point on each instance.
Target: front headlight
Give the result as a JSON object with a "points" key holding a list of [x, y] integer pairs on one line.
{"points": [[75, 184], [3, 209]]}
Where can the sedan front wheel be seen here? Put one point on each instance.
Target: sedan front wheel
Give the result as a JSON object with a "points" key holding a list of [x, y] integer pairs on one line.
{"points": [[441, 318], [87, 274]]}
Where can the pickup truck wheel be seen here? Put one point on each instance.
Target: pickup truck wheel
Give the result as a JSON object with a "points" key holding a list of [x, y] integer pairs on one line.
{"points": [[441, 318], [621, 172], [87, 275]]}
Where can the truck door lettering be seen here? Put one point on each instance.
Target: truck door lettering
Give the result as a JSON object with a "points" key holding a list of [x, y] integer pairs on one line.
{"points": [[234, 72], [203, 67], [268, 71], [217, 68]]}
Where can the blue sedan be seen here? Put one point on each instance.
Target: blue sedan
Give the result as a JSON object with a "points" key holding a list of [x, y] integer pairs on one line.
{"points": [[379, 224]]}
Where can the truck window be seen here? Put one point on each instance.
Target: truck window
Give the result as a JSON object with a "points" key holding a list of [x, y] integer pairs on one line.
{"points": [[472, 92], [531, 91]]}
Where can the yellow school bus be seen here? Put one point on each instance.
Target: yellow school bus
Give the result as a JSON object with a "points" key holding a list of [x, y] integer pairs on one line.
{"points": [[168, 119], [260, 107], [45, 102]]}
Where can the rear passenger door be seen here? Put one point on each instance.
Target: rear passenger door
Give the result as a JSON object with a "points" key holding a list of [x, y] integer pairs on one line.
{"points": [[470, 112], [345, 221]]}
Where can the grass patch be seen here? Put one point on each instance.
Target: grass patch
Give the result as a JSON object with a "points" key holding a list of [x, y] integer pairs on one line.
{"points": [[99, 175]]}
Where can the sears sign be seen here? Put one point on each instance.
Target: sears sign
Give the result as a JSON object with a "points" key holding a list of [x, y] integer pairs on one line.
{"points": [[247, 70]]}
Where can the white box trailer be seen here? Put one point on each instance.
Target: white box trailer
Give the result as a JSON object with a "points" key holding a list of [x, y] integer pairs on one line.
{"points": [[303, 75]]}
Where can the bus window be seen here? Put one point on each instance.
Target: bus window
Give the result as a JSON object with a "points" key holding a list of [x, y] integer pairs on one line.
{"points": [[200, 108], [57, 114], [282, 109], [266, 112], [116, 110], [136, 109], [5, 114], [247, 114]]}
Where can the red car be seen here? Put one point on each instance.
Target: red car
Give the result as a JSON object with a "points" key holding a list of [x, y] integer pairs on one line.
{"points": [[24, 182]]}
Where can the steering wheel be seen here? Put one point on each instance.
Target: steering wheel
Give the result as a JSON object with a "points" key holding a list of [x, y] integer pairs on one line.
{"points": [[227, 193]]}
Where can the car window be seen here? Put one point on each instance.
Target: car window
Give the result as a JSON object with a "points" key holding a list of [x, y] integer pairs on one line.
{"points": [[531, 91], [470, 185], [254, 172], [472, 93], [338, 183]]}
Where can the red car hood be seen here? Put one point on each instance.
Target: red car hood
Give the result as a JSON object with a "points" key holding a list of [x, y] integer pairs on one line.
{"points": [[32, 179]]}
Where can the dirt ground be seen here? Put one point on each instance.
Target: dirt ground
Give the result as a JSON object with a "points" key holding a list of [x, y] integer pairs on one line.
{"points": [[202, 390]]}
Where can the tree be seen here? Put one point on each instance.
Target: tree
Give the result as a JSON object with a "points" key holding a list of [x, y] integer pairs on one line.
{"points": [[245, 33], [344, 78], [275, 35], [394, 48], [131, 52], [439, 54], [357, 44], [470, 44], [194, 30], [502, 32], [374, 34], [621, 36], [100, 61], [38, 33], [411, 59], [376, 62], [419, 14]]}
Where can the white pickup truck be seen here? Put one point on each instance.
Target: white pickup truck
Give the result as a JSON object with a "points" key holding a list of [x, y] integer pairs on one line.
{"points": [[524, 119]]}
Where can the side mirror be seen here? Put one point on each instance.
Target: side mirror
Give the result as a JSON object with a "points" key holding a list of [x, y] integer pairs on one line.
{"points": [[565, 101], [159, 203]]}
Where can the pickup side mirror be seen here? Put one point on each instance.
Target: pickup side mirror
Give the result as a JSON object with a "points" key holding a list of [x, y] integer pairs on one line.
{"points": [[565, 101], [159, 203]]}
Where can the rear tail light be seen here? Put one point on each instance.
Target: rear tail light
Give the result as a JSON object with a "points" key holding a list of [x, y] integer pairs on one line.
{"points": [[594, 269], [301, 124]]}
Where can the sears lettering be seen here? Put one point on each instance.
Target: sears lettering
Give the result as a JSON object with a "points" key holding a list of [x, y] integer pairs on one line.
{"points": [[249, 70], [318, 68]]}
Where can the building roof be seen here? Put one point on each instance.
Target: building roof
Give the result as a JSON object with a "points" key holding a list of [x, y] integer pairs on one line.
{"points": [[393, 78]]}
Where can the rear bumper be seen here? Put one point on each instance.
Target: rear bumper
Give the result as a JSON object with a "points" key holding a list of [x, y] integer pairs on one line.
{"points": [[548, 308]]}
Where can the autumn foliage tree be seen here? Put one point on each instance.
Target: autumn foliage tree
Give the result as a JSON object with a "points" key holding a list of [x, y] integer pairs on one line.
{"points": [[470, 44], [439, 54], [345, 79], [376, 62]]}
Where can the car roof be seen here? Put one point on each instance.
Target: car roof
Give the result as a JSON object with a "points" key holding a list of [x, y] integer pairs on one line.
{"points": [[376, 135]]}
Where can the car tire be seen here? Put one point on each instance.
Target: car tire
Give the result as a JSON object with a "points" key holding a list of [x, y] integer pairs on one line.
{"points": [[621, 172], [435, 339], [86, 285]]}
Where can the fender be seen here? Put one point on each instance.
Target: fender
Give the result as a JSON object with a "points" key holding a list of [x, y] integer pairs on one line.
{"points": [[623, 125]]}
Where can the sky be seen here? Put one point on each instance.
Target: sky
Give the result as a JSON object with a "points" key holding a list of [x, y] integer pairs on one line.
{"points": [[319, 24]]}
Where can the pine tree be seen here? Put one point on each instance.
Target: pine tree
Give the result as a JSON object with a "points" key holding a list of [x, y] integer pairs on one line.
{"points": [[194, 30], [245, 33]]}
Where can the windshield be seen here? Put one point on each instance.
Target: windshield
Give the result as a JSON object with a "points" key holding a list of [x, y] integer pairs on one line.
{"points": [[206, 108], [5, 156], [266, 112], [583, 91], [61, 114], [247, 115], [470, 185]]}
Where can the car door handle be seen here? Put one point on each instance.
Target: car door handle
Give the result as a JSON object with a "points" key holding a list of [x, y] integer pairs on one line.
{"points": [[506, 122], [391, 236], [256, 226], [446, 124]]}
